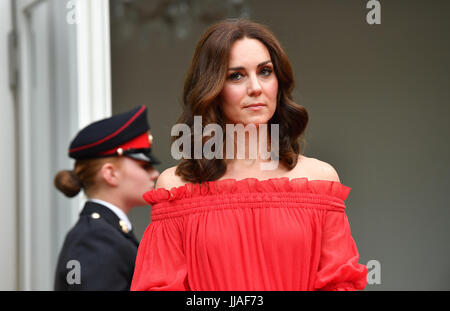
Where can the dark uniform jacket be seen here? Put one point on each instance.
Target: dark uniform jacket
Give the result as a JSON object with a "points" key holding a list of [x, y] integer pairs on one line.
{"points": [[97, 253]]}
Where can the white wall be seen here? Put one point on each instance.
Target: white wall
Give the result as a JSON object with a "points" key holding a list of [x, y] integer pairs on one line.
{"points": [[34, 217], [8, 219], [64, 82]]}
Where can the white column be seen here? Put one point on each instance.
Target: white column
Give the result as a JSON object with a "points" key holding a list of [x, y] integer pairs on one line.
{"points": [[94, 61], [64, 72], [8, 208]]}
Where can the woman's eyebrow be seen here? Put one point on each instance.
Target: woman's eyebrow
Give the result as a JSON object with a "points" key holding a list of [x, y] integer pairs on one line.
{"points": [[259, 65]]}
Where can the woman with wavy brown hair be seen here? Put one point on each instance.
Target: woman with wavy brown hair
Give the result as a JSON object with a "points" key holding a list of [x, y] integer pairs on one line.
{"points": [[227, 224]]}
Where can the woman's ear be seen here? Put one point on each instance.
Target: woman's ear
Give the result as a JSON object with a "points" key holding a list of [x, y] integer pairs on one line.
{"points": [[110, 174]]}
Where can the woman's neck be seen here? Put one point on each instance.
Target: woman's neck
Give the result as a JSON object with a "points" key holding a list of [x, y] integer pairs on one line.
{"points": [[110, 197], [252, 147]]}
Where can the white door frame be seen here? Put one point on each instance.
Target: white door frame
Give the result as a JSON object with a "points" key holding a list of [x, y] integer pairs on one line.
{"points": [[92, 100], [94, 60]]}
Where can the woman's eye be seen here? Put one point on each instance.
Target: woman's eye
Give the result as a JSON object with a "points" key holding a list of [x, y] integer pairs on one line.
{"points": [[266, 71], [146, 166], [235, 76]]}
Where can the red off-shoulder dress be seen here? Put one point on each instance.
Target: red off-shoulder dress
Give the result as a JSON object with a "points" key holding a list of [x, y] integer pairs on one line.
{"points": [[249, 234]]}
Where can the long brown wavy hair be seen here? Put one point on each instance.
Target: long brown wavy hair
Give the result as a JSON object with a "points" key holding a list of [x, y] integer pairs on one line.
{"points": [[205, 80]]}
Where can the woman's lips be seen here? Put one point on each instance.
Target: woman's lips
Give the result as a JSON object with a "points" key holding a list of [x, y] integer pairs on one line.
{"points": [[255, 106]]}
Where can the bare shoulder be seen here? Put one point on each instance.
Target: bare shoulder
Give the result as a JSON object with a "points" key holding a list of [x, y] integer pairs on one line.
{"points": [[167, 179], [318, 170]]}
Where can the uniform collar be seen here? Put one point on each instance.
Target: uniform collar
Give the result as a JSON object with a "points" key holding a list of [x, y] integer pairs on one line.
{"points": [[100, 211], [119, 213]]}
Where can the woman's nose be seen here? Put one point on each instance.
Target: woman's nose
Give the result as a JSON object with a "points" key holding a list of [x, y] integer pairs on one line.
{"points": [[254, 87], [154, 174]]}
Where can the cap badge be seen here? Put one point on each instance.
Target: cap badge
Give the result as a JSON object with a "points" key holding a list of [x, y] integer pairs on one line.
{"points": [[150, 138]]}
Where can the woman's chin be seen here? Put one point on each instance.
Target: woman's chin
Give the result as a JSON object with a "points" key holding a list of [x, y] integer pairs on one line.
{"points": [[256, 121]]}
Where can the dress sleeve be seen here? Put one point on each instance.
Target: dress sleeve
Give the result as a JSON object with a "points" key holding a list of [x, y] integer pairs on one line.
{"points": [[160, 262], [339, 269]]}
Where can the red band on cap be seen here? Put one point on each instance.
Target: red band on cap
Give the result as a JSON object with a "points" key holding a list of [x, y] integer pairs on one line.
{"points": [[139, 142], [111, 135]]}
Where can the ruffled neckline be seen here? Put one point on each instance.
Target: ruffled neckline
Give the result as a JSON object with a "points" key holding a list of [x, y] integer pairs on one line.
{"points": [[248, 185]]}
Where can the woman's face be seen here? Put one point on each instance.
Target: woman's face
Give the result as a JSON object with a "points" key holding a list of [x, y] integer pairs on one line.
{"points": [[136, 178], [249, 95]]}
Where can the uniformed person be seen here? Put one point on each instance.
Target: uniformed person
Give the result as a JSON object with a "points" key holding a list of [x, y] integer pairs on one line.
{"points": [[114, 168]]}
